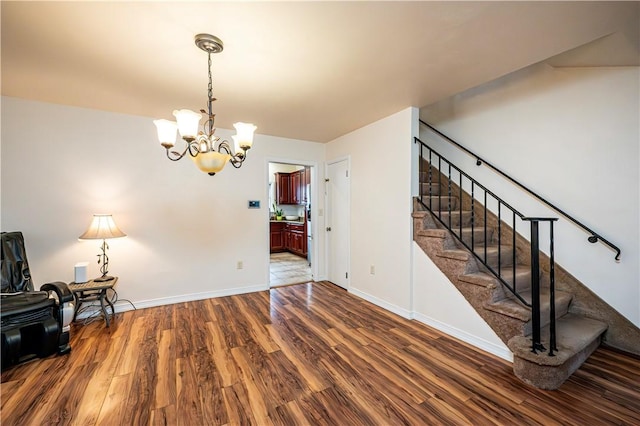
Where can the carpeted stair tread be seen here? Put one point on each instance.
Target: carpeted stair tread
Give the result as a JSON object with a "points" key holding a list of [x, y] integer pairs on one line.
{"points": [[482, 279], [513, 308], [573, 334], [456, 254], [419, 214], [433, 233]]}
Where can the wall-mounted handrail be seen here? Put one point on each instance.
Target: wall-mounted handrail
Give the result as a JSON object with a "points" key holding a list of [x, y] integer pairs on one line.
{"points": [[594, 237]]}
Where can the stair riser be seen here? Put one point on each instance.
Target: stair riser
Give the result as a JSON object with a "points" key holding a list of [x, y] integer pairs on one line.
{"points": [[457, 218], [478, 235], [491, 259], [545, 318], [429, 189], [523, 283], [440, 203]]}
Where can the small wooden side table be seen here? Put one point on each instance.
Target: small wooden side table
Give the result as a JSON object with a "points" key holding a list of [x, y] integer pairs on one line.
{"points": [[91, 291]]}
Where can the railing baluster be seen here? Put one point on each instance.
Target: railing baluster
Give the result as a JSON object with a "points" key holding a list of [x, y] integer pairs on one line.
{"points": [[430, 179], [513, 252], [440, 186], [449, 195], [485, 226], [473, 214], [460, 219], [552, 294], [499, 240]]}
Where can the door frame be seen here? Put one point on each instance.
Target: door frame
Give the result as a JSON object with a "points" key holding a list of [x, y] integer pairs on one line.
{"points": [[314, 210], [328, 213]]}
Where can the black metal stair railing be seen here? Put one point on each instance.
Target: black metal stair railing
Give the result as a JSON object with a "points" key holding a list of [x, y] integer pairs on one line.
{"points": [[593, 238], [454, 177]]}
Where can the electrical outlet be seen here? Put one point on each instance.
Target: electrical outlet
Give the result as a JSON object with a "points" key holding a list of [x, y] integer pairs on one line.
{"points": [[240, 265], [372, 270]]}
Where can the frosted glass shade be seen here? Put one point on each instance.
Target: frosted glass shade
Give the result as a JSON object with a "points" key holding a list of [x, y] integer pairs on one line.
{"points": [[211, 162], [102, 227], [188, 123], [245, 135], [166, 132], [236, 144]]}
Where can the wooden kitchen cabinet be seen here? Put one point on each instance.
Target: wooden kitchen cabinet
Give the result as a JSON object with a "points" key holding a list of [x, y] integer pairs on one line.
{"points": [[296, 238], [276, 237], [283, 188], [291, 188], [287, 236]]}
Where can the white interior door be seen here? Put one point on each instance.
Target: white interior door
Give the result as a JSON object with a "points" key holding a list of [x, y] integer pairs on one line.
{"points": [[338, 216]]}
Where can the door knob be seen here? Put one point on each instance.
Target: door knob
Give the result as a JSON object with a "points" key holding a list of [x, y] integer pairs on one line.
{"points": [[328, 228]]}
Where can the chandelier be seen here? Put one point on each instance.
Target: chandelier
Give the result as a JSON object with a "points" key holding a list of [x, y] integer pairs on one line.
{"points": [[209, 153]]}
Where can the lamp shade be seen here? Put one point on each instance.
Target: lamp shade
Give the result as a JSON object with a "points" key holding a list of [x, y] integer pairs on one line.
{"points": [[188, 122], [245, 134], [102, 227], [166, 132]]}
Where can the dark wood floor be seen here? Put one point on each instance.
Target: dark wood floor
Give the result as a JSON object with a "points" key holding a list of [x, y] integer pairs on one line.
{"points": [[301, 355]]}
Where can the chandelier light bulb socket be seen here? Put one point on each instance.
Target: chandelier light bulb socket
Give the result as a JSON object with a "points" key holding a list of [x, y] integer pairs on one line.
{"points": [[209, 43]]}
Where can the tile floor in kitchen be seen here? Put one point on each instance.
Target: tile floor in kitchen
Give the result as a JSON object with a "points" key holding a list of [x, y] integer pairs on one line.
{"points": [[287, 268]]}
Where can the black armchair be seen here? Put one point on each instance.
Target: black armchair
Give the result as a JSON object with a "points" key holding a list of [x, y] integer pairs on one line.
{"points": [[34, 323]]}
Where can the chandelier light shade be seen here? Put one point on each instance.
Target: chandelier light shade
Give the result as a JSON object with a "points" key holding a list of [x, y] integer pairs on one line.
{"points": [[102, 227], [209, 153]]}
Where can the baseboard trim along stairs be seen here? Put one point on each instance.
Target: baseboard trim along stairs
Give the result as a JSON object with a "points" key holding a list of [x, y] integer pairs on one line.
{"points": [[583, 320]]}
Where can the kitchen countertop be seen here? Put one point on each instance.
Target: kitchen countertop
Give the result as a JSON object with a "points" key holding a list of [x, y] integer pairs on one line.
{"points": [[297, 222]]}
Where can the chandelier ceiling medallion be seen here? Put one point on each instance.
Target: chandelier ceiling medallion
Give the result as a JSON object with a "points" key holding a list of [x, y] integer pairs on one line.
{"points": [[208, 152]]}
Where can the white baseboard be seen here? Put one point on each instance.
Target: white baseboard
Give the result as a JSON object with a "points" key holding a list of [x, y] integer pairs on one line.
{"points": [[492, 348], [405, 313], [123, 306]]}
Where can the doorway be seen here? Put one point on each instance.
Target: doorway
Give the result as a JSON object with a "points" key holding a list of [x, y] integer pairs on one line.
{"points": [[338, 216], [290, 231]]}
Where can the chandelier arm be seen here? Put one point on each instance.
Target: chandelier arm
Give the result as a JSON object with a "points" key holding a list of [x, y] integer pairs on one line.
{"points": [[193, 149], [175, 156], [235, 162], [224, 145]]}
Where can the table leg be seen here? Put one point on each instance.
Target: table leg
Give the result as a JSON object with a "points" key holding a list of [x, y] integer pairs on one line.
{"points": [[103, 295]]}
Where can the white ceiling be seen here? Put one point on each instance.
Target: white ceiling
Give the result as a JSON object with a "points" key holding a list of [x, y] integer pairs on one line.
{"points": [[304, 70]]}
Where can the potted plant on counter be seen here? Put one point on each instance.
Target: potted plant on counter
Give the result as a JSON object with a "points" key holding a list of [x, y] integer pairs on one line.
{"points": [[278, 212]]}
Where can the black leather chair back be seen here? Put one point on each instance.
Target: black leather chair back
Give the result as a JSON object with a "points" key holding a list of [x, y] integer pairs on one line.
{"points": [[15, 268]]}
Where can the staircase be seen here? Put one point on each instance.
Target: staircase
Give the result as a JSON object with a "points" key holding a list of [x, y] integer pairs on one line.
{"points": [[551, 325]]}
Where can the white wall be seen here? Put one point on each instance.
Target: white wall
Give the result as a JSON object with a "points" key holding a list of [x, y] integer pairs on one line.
{"points": [[439, 304], [186, 230], [381, 208], [572, 135]]}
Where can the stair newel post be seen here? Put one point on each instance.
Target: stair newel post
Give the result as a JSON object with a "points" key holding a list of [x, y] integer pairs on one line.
{"points": [[535, 287], [552, 294]]}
